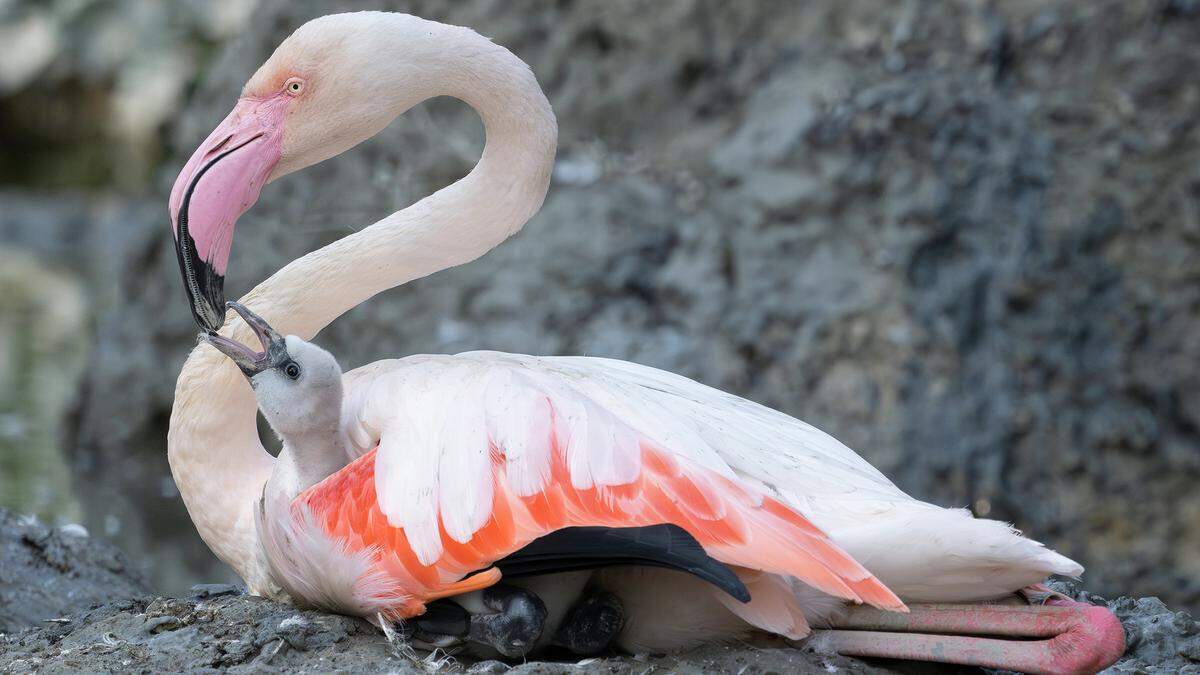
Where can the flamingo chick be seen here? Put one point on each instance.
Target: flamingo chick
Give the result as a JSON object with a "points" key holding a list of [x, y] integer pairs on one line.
{"points": [[408, 488]]}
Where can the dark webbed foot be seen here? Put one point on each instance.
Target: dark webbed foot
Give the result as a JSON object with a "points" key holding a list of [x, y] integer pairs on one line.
{"points": [[591, 625], [517, 625]]}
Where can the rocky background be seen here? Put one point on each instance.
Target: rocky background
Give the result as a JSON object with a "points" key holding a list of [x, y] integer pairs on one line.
{"points": [[963, 237]]}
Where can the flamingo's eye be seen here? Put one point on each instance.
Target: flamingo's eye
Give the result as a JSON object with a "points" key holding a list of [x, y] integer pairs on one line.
{"points": [[292, 370], [294, 86]]}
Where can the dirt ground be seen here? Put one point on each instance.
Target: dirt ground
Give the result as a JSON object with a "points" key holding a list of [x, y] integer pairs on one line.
{"points": [[70, 603]]}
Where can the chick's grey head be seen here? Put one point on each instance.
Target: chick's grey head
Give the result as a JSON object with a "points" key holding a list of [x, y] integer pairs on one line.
{"points": [[297, 384]]}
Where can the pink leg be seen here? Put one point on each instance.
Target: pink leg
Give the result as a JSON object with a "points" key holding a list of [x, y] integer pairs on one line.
{"points": [[1060, 637]]}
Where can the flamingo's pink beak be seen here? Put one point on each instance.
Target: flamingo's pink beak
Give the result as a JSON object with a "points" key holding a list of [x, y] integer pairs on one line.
{"points": [[217, 185]]}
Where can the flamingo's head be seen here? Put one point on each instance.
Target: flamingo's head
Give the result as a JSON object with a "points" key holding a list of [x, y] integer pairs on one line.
{"points": [[332, 84], [297, 384]]}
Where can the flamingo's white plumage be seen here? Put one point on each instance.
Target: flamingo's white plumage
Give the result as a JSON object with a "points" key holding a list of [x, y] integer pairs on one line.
{"points": [[453, 462]]}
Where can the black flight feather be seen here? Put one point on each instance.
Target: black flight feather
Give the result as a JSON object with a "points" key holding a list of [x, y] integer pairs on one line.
{"points": [[581, 548]]}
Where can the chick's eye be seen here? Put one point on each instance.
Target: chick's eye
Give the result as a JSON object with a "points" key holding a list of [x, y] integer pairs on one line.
{"points": [[292, 370], [294, 85]]}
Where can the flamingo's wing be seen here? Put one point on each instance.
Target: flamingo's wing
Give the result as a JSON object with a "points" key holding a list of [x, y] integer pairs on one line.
{"points": [[804, 467], [482, 453]]}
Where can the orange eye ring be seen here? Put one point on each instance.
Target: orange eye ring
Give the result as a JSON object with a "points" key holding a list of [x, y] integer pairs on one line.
{"points": [[293, 86]]}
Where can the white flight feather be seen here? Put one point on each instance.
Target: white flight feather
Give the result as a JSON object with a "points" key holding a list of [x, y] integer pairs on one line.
{"points": [[465, 471], [520, 420]]}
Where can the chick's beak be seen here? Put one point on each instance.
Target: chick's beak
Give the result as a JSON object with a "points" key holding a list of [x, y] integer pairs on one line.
{"points": [[251, 362]]}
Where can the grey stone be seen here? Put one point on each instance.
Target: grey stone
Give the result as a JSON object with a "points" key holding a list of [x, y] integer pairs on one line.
{"points": [[46, 574]]}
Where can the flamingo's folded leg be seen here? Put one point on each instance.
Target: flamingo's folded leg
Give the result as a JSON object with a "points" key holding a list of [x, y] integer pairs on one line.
{"points": [[444, 624], [511, 622], [1061, 636]]}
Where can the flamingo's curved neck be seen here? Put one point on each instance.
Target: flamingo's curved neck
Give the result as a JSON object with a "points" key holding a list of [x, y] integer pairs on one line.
{"points": [[213, 447]]}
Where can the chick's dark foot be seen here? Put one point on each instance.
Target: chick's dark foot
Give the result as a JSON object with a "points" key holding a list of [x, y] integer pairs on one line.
{"points": [[592, 624], [517, 624]]}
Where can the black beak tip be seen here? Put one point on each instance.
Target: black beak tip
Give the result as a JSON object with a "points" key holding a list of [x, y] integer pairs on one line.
{"points": [[207, 316], [204, 287], [208, 322]]}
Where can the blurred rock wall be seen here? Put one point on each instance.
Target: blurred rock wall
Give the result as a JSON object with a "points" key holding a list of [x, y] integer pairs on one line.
{"points": [[962, 237], [87, 87]]}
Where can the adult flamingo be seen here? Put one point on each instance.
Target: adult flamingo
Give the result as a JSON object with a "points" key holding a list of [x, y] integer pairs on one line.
{"points": [[460, 463]]}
